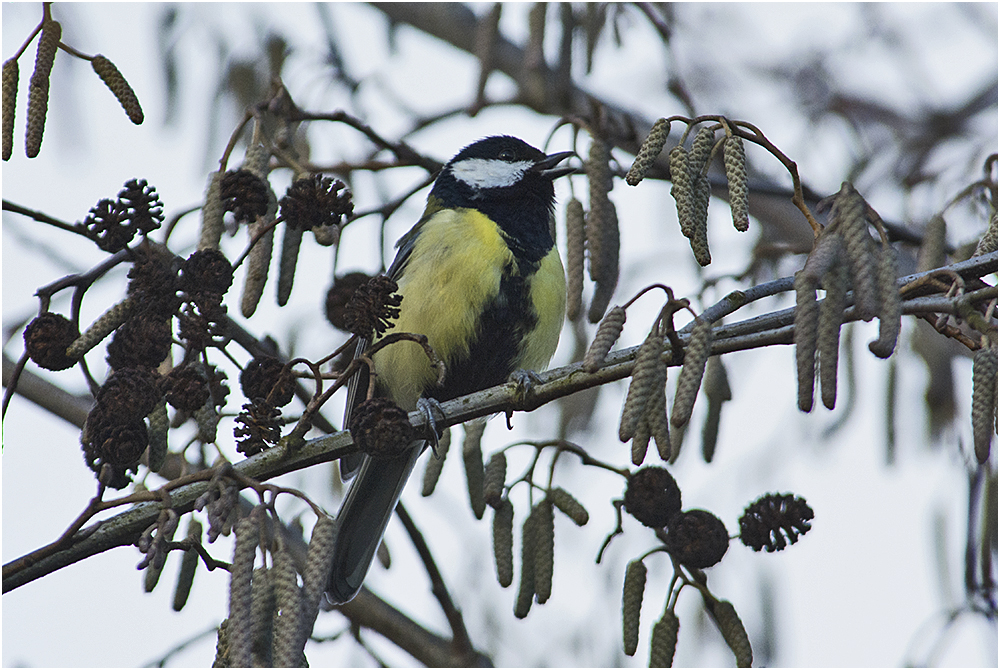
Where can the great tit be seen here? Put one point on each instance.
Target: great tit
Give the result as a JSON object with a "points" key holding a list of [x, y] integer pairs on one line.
{"points": [[481, 277]]}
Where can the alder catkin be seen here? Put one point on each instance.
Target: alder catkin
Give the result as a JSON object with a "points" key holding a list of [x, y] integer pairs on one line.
{"points": [[831, 317], [806, 327], [435, 464], [851, 223], [472, 458], [733, 632], [890, 311], [38, 86], [526, 587], [701, 151], [682, 189], [984, 400], [240, 629], [212, 213], [105, 324], [159, 424], [288, 598], [116, 83], [650, 149], [503, 542], [734, 156], [189, 566], [644, 376], [495, 478], [570, 506], [575, 243], [10, 79], [635, 584], [544, 550], [663, 642], [695, 356], [288, 259], [607, 334]]}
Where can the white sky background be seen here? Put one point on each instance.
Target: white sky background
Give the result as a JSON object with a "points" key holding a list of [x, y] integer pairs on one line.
{"points": [[861, 589]]}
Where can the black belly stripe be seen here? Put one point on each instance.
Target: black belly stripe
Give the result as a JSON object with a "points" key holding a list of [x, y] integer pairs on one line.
{"points": [[494, 353]]}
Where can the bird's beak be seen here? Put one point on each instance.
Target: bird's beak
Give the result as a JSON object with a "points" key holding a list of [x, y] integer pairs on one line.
{"points": [[548, 166]]}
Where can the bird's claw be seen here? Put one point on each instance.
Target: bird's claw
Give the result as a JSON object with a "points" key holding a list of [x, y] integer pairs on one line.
{"points": [[427, 407], [525, 380]]}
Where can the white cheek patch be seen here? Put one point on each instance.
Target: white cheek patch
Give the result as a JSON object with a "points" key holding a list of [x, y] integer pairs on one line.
{"points": [[489, 172]]}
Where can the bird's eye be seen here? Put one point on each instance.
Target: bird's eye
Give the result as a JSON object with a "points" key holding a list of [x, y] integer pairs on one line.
{"points": [[507, 155]]}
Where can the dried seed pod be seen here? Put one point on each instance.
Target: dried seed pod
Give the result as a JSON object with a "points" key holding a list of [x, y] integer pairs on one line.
{"points": [[503, 542], [46, 338], [10, 77], [159, 423], [767, 521], [890, 307], [526, 587], [698, 348], [575, 243], [734, 156], [933, 248], [682, 189], [189, 566], [291, 241], [645, 374], [701, 151], [544, 550], [435, 463], [652, 496], [607, 334], [717, 391], [114, 80], [494, 479], [732, 631], [806, 327], [569, 506], [240, 627], [635, 584], [650, 149], [696, 538], [831, 317], [472, 457], [212, 213], [984, 400], [38, 88], [663, 642], [988, 242]]}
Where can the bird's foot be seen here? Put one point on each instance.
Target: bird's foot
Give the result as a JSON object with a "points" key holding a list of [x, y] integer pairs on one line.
{"points": [[524, 380], [427, 407]]}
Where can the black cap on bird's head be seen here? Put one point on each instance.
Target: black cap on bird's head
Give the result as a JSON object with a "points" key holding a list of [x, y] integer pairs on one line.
{"points": [[500, 167]]}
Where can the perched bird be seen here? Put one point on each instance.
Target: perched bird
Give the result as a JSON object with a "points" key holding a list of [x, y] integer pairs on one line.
{"points": [[481, 277]]}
